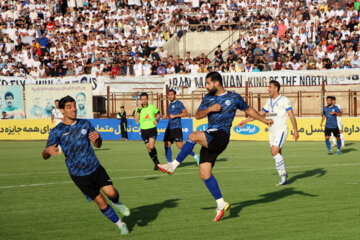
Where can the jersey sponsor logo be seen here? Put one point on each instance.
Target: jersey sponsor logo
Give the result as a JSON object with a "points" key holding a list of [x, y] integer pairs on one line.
{"points": [[147, 117], [273, 114], [228, 102], [83, 131], [202, 127], [249, 129]]}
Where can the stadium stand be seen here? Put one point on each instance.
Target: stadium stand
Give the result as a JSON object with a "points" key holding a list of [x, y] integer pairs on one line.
{"points": [[126, 38]]}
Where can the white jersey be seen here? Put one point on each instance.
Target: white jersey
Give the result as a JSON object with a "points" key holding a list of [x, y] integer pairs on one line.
{"points": [[57, 115], [277, 109], [339, 122]]}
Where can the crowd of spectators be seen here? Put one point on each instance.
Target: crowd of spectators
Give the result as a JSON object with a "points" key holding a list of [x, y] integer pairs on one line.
{"points": [[47, 38]]}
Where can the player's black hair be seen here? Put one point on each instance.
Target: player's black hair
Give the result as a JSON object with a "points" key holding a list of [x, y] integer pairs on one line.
{"points": [[144, 94], [65, 100], [172, 90], [3, 112], [333, 98], [57, 100], [9, 94], [276, 83], [122, 107], [215, 77], [329, 97]]}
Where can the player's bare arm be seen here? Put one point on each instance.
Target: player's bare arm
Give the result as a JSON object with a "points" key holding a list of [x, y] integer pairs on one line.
{"points": [[157, 118], [200, 114], [95, 139], [246, 121], [322, 120], [294, 123], [50, 151], [137, 114], [184, 113], [255, 115]]}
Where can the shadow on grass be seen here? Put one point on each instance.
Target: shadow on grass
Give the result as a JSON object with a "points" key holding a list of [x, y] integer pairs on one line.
{"points": [[151, 178], [349, 144], [192, 162], [347, 150], [236, 208], [101, 149], [143, 215], [309, 173]]}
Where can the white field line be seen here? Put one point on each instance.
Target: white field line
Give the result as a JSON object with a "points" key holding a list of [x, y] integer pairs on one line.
{"points": [[236, 169]]}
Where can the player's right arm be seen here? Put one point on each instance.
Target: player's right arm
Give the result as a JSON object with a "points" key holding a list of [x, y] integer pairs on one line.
{"points": [[137, 113], [323, 118], [51, 148], [246, 121], [256, 116], [204, 108]]}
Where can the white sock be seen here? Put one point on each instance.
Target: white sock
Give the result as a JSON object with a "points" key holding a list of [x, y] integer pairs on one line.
{"points": [[119, 223], [333, 139], [175, 164], [220, 202], [342, 139], [280, 164]]}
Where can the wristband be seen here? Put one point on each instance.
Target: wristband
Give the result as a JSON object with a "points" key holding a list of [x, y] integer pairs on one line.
{"points": [[138, 110]]}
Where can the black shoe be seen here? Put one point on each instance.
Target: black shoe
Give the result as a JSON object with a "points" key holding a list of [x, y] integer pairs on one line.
{"points": [[156, 167]]}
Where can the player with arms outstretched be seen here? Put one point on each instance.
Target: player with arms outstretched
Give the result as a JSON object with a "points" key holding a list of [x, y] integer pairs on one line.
{"points": [[74, 136], [173, 131], [278, 107], [219, 106]]}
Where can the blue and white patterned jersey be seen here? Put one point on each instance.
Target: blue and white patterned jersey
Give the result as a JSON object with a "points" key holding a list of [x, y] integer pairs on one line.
{"points": [[175, 108], [331, 120], [75, 143], [229, 102]]}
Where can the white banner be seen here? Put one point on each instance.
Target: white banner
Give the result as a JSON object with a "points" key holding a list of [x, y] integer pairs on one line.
{"points": [[197, 81], [97, 83], [261, 79]]}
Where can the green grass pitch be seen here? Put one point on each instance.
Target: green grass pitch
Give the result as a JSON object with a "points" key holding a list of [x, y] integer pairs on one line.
{"points": [[39, 201]]}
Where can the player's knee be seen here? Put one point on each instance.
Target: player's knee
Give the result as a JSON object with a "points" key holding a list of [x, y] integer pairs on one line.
{"points": [[274, 152], [192, 136], [204, 175]]}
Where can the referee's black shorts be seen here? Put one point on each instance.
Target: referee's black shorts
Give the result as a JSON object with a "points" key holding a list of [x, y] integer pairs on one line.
{"points": [[146, 134], [173, 135], [217, 143], [91, 184], [335, 131]]}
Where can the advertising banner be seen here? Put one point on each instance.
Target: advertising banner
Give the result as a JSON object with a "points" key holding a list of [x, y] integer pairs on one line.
{"points": [[25, 129], [309, 129], [11, 102], [109, 129], [40, 99]]}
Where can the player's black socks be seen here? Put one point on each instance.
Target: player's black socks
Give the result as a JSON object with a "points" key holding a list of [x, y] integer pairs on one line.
{"points": [[153, 155]]}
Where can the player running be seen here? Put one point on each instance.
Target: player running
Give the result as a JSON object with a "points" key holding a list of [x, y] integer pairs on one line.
{"points": [[74, 136], [340, 126], [173, 131], [220, 107], [149, 117], [278, 107], [331, 113]]}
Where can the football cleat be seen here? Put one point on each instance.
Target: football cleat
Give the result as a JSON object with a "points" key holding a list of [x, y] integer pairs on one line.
{"points": [[123, 229], [166, 168], [283, 180], [124, 210], [338, 152], [330, 153], [221, 211]]}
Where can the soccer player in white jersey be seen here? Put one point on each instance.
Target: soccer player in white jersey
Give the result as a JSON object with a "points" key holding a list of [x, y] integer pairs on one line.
{"points": [[278, 107], [57, 116], [340, 126]]}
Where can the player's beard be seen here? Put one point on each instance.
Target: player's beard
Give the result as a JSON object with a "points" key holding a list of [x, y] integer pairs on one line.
{"points": [[212, 91]]}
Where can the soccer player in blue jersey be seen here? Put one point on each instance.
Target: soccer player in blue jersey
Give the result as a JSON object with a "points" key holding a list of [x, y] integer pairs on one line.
{"points": [[220, 107], [331, 112], [173, 131], [74, 136]]}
